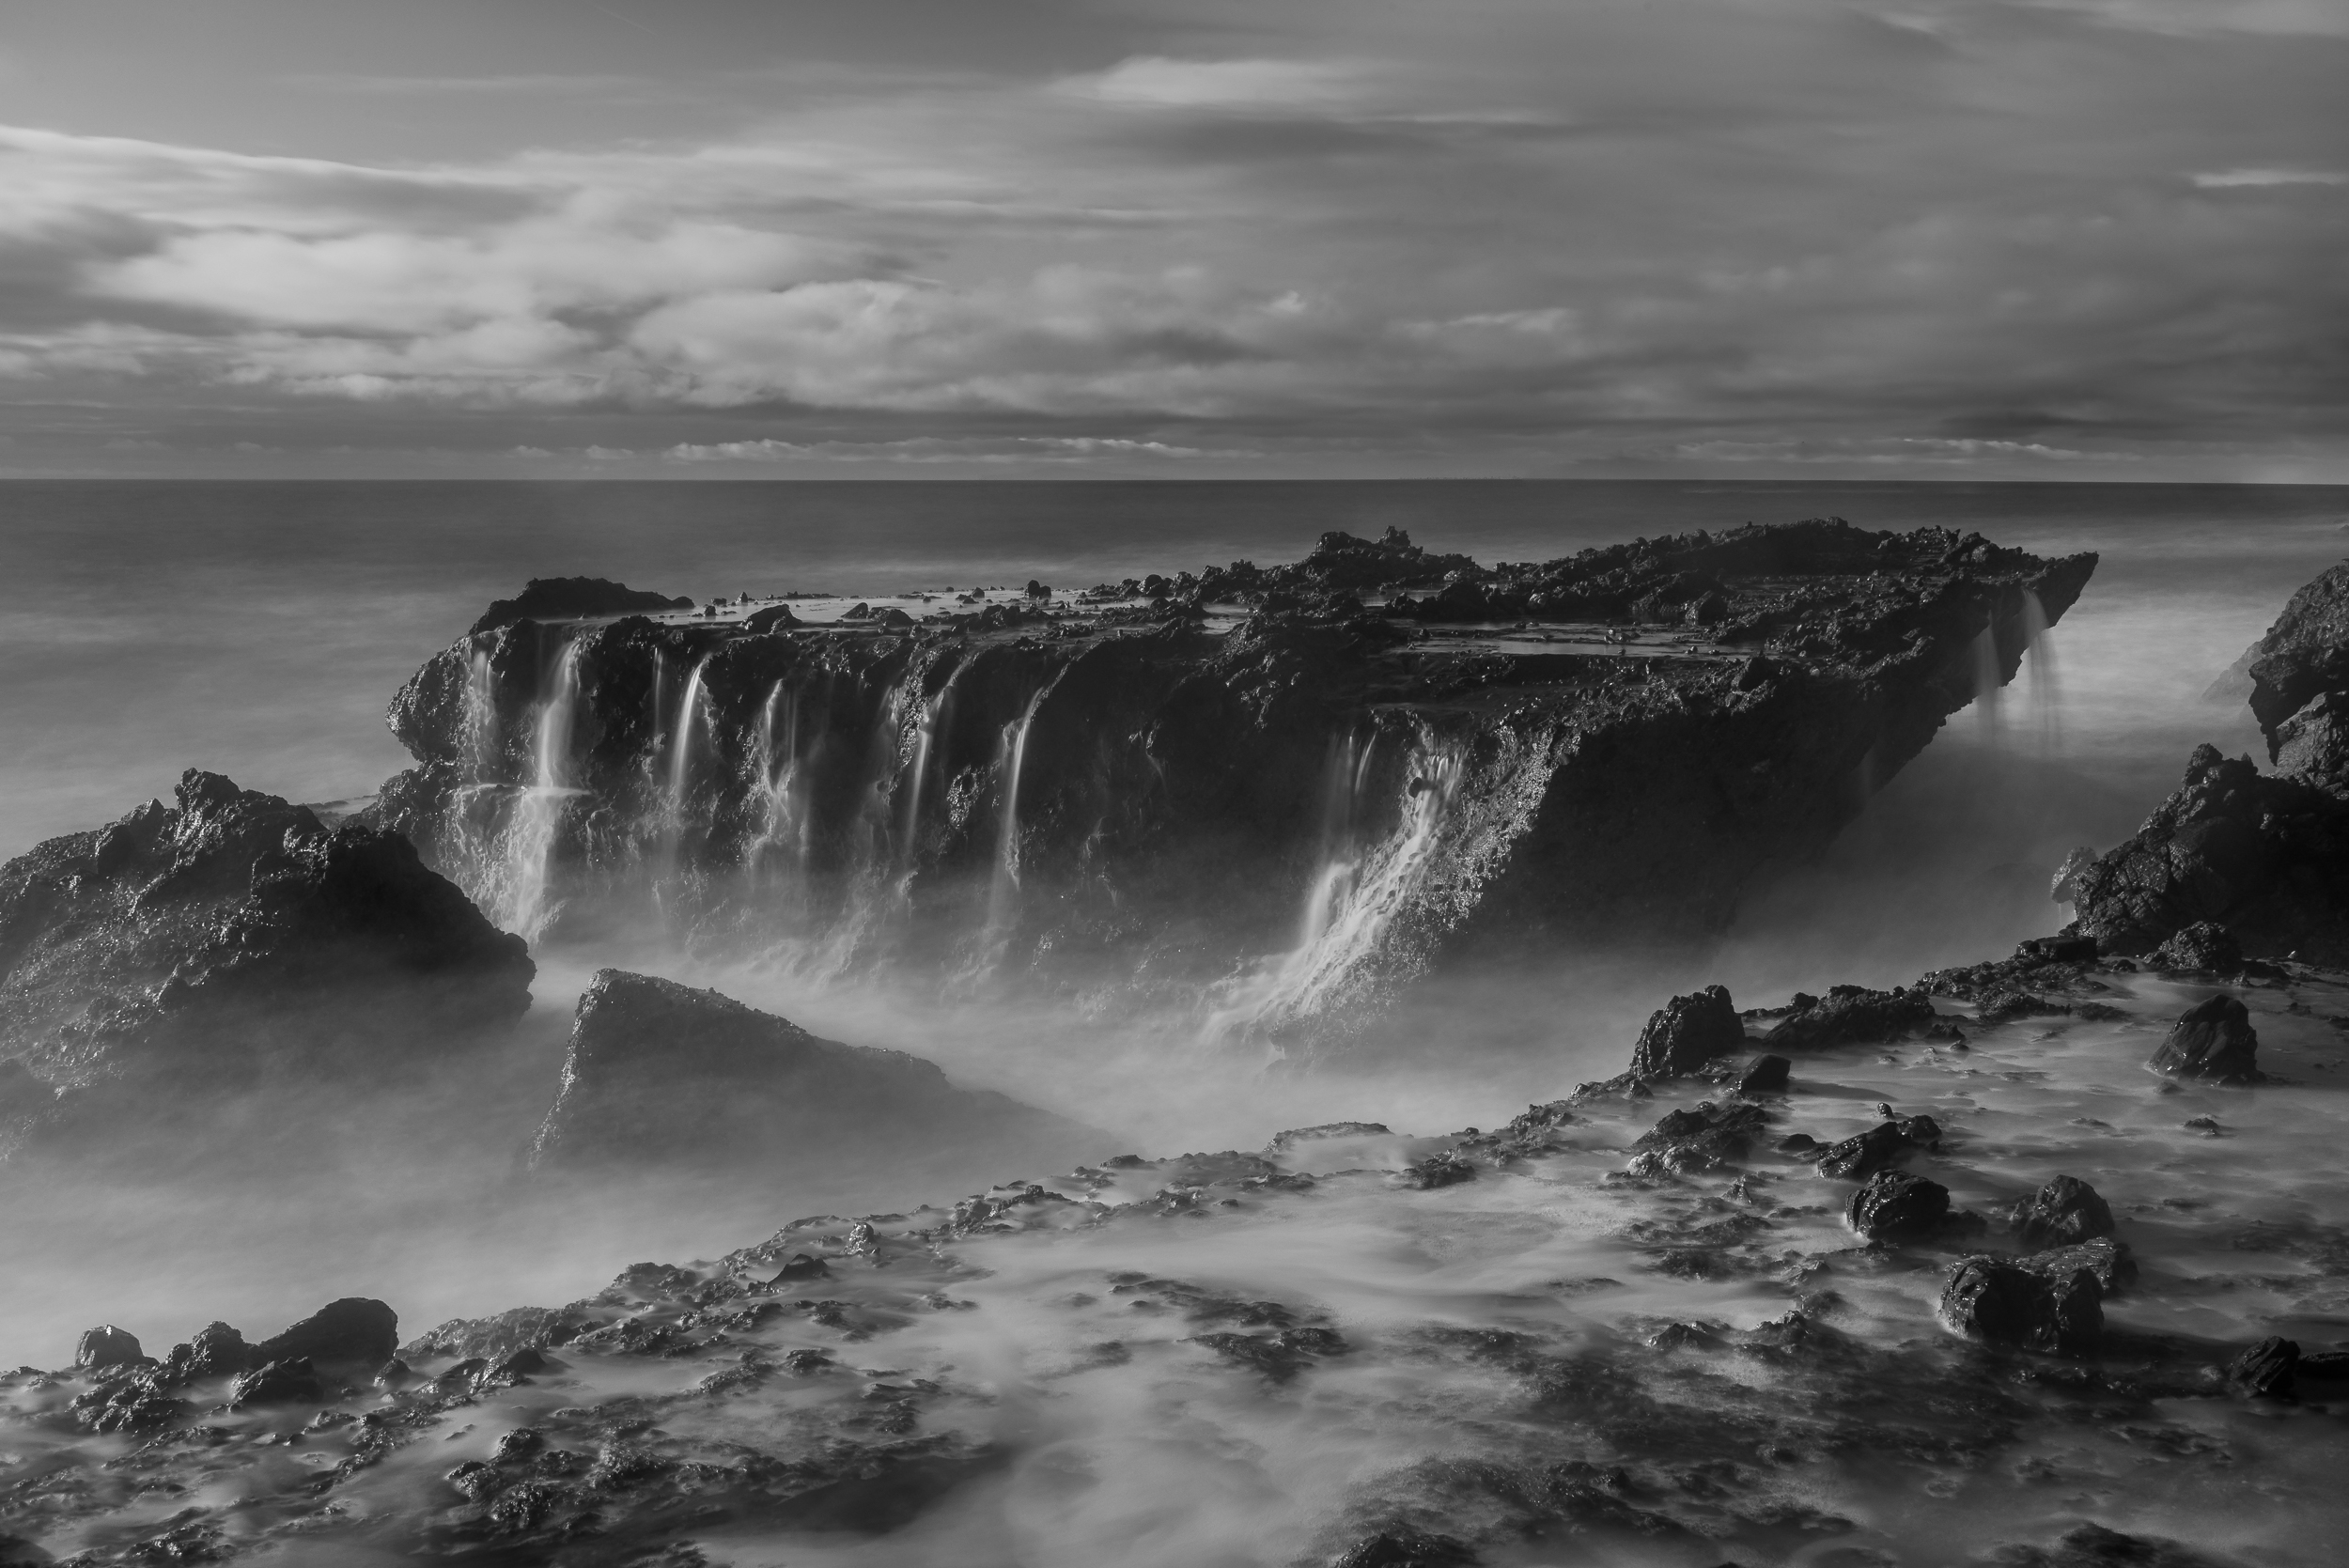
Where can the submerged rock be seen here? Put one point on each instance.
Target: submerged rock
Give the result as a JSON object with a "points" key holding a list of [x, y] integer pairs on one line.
{"points": [[230, 942], [2108, 1260], [659, 1073], [1766, 1075], [1687, 1032], [1704, 1139], [2211, 1039], [2001, 1301], [1851, 1015], [2063, 1213], [1864, 1154], [2265, 1368]]}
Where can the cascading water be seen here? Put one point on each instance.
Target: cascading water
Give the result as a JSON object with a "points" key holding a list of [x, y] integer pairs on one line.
{"points": [[1986, 673], [2039, 660], [481, 719], [785, 823], [1353, 902], [926, 739], [681, 748], [1003, 895], [526, 905]]}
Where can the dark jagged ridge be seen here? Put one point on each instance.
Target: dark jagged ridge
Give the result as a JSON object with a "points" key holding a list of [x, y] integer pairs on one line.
{"points": [[188, 951], [567, 598], [1169, 766]]}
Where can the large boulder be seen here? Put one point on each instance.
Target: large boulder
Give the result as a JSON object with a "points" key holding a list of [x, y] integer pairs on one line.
{"points": [[1894, 1205], [1687, 1032], [1850, 1014], [2211, 1039], [2305, 654], [2007, 1303], [356, 1330], [662, 1075], [2063, 1213], [227, 942]]}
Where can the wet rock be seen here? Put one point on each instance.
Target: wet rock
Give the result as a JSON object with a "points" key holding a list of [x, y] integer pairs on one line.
{"points": [[566, 599], [1711, 1136], [289, 1382], [2204, 947], [230, 947], [106, 1346], [216, 1351], [2211, 1039], [2313, 743], [134, 1404], [660, 1075], [1766, 1075], [2003, 1301], [1283, 1141], [2063, 1213], [356, 1330], [2110, 1261], [2094, 1546], [1442, 1169], [1406, 1549], [2265, 1368], [1687, 1032], [1864, 1154], [518, 1445], [1851, 1015], [1897, 1205]]}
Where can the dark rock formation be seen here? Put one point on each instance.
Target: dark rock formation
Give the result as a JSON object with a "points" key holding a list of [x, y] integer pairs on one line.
{"points": [[1896, 1205], [2204, 947], [1862, 1155], [2094, 1546], [2265, 1368], [2005, 1302], [216, 1351], [1710, 1136], [2064, 1213], [2108, 1260], [1073, 789], [2211, 1039], [570, 598], [1766, 1075], [659, 1073], [1687, 1032], [355, 1329], [1851, 1015], [2266, 856], [106, 1346], [188, 951], [292, 1382]]}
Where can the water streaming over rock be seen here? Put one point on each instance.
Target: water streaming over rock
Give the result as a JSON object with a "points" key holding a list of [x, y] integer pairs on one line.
{"points": [[1003, 892], [538, 815], [1987, 680], [2043, 692]]}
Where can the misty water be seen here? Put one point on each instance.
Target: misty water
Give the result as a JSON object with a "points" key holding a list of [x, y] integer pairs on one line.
{"points": [[259, 630]]}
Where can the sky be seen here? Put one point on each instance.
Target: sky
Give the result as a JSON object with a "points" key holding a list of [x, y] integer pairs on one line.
{"points": [[1798, 238]]}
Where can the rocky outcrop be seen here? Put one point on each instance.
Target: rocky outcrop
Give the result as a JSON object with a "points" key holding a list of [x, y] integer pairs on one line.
{"points": [[2007, 1302], [190, 951], [2265, 856], [569, 598], [1687, 1032], [1894, 1205], [2064, 1213], [1408, 757], [1850, 1014], [2211, 1039], [661, 1075]]}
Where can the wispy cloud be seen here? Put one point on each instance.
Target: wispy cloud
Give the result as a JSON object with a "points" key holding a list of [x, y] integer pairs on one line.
{"points": [[2223, 179]]}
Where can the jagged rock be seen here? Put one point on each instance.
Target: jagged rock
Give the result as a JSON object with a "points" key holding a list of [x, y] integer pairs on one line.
{"points": [[2093, 1545], [2305, 654], [2108, 1260], [2064, 1213], [216, 1351], [1704, 1139], [1896, 1205], [289, 1382], [1850, 1014], [1165, 767], [2265, 1368], [659, 1073], [1687, 1032], [2211, 1039], [1864, 1154], [2204, 947], [106, 1346], [1766, 1075], [568, 599], [355, 1329], [2007, 1303], [230, 942], [2313, 743]]}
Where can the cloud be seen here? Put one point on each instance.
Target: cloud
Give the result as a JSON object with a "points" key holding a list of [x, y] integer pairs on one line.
{"points": [[2225, 179], [930, 450], [2210, 18], [1256, 85]]}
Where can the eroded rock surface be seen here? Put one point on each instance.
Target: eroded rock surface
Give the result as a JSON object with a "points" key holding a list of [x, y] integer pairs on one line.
{"points": [[2211, 1039]]}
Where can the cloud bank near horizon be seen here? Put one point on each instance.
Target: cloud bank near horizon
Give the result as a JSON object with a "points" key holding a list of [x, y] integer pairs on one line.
{"points": [[1780, 235]]}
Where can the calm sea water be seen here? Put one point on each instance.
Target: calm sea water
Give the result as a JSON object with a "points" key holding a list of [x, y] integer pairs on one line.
{"points": [[258, 628]]}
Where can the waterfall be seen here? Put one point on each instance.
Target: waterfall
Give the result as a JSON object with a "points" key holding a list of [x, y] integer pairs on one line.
{"points": [[1986, 683], [2047, 717], [481, 719], [777, 758], [530, 842], [926, 737], [681, 748], [1352, 905], [1011, 754]]}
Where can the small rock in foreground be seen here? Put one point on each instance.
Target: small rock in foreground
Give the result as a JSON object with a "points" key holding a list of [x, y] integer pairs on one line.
{"points": [[2063, 1213], [2007, 1303], [2213, 1039], [1687, 1032]]}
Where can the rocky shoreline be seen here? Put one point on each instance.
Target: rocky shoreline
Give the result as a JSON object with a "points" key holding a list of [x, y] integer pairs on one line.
{"points": [[2037, 1261]]}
